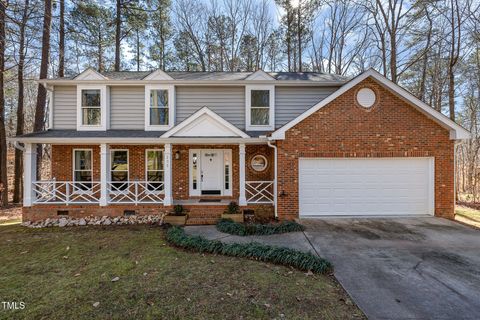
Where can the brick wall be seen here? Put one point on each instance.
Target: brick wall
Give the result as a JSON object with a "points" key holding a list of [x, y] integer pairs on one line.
{"points": [[392, 128]]}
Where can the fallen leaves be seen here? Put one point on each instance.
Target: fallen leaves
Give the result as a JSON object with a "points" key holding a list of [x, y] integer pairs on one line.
{"points": [[115, 279]]}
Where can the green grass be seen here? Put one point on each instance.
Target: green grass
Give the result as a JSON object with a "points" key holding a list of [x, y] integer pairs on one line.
{"points": [[468, 213], [61, 272], [246, 229]]}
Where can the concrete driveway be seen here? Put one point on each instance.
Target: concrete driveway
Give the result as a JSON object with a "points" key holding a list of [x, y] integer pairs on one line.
{"points": [[393, 268], [403, 268]]}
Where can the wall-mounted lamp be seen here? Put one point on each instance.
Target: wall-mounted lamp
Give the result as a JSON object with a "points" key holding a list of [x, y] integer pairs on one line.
{"points": [[177, 155]]}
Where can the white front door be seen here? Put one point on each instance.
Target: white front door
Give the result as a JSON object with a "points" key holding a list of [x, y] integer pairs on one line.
{"points": [[211, 179]]}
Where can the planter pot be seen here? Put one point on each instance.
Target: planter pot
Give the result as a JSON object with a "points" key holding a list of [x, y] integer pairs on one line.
{"points": [[237, 217], [175, 220]]}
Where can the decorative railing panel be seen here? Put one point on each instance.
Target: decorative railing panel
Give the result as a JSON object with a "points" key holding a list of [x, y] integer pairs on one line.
{"points": [[259, 192], [66, 192], [135, 192]]}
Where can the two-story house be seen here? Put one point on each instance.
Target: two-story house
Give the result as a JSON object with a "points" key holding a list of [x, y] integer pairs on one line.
{"points": [[280, 144]]}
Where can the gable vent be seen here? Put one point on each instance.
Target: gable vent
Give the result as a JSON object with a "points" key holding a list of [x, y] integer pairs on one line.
{"points": [[366, 97]]}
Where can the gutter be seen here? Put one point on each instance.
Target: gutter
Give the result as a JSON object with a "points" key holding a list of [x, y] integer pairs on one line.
{"points": [[275, 174]]}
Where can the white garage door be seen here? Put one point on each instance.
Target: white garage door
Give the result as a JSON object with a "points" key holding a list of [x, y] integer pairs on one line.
{"points": [[382, 186]]}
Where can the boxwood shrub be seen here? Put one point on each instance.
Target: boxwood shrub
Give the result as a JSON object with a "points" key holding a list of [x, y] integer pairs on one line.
{"points": [[241, 229], [278, 255]]}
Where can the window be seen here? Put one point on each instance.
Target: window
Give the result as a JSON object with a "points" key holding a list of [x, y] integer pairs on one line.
{"points": [[119, 169], [159, 107], [194, 170], [227, 155], [260, 107], [154, 167], [82, 169], [259, 163], [91, 107]]}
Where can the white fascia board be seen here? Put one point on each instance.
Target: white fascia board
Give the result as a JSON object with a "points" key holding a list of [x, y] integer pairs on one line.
{"points": [[457, 132], [260, 75], [140, 141], [158, 75], [90, 74], [210, 113]]}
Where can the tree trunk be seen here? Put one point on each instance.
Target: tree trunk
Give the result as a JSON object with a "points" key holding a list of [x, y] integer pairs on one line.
{"points": [[299, 36], [3, 138], [118, 31], [17, 190], [61, 47], [42, 92]]}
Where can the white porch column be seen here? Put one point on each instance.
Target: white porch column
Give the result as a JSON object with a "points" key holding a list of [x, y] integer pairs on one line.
{"points": [[242, 199], [167, 186], [29, 173], [104, 173]]}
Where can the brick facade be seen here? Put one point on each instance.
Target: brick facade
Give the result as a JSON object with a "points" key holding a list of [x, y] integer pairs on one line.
{"points": [[391, 128], [62, 170]]}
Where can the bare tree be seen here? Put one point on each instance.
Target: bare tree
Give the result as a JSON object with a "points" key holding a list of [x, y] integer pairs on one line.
{"points": [[61, 46], [3, 137]]}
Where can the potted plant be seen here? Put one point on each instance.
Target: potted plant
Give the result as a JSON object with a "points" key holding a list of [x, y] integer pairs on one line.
{"points": [[178, 217], [233, 212]]}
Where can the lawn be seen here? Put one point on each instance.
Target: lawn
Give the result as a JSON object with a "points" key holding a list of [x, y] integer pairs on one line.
{"points": [[60, 273]]}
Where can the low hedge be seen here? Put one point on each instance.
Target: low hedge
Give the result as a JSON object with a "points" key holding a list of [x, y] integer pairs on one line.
{"points": [[241, 229], [278, 255]]}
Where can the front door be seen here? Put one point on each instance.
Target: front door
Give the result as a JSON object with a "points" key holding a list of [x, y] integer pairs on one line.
{"points": [[211, 179]]}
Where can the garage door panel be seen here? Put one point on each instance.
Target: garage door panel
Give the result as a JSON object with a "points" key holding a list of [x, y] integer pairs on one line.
{"points": [[381, 186]]}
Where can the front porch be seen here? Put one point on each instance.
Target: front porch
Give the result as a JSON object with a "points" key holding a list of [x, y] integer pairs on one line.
{"points": [[113, 180]]}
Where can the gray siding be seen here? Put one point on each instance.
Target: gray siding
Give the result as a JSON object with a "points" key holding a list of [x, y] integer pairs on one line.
{"points": [[290, 102], [227, 102], [64, 107], [127, 108]]}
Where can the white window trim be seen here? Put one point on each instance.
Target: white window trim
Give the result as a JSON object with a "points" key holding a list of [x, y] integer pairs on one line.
{"points": [[248, 104], [146, 170], [171, 107], [74, 170], [110, 170], [104, 116]]}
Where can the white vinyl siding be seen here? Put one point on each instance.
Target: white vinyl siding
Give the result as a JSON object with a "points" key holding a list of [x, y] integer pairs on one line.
{"points": [[127, 108], [64, 107], [227, 102]]}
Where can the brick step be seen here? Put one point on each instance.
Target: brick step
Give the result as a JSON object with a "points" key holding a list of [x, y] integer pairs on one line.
{"points": [[205, 214], [201, 221]]}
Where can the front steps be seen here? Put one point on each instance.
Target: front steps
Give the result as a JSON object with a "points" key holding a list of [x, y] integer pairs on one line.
{"points": [[204, 214]]}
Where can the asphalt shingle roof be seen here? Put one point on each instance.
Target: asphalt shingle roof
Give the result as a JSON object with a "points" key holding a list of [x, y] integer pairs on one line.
{"points": [[223, 76]]}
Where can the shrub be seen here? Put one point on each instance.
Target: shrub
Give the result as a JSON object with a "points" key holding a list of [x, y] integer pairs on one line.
{"points": [[240, 229], [278, 255], [178, 210], [232, 208]]}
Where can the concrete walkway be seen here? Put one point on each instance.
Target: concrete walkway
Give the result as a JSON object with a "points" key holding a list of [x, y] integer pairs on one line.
{"points": [[393, 268]]}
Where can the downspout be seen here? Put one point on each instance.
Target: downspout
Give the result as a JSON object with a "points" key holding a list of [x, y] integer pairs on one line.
{"points": [[269, 142], [17, 145]]}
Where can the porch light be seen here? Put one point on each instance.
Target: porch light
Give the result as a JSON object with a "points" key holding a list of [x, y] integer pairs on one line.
{"points": [[177, 155]]}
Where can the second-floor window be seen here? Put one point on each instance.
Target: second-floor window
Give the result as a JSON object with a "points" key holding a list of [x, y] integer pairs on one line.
{"points": [[159, 104], [91, 107], [260, 111], [159, 107]]}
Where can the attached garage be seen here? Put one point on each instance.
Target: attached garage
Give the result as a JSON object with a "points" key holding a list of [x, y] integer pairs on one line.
{"points": [[366, 186]]}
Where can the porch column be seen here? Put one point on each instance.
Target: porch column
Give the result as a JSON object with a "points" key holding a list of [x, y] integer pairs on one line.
{"points": [[104, 173], [167, 184], [241, 163], [29, 173]]}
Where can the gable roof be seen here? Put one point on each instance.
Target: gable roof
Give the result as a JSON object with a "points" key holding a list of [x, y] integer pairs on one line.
{"points": [[260, 75], [90, 74], [457, 132], [205, 123], [158, 75]]}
